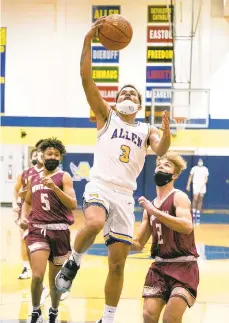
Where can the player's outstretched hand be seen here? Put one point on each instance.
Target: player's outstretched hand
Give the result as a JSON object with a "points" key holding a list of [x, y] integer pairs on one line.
{"points": [[48, 182], [165, 123], [147, 205], [93, 33]]}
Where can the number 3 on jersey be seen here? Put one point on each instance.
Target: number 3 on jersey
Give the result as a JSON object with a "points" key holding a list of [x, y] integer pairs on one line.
{"points": [[159, 233], [45, 202], [125, 157]]}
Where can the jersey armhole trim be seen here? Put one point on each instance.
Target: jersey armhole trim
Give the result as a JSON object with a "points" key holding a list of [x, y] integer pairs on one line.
{"points": [[105, 127]]}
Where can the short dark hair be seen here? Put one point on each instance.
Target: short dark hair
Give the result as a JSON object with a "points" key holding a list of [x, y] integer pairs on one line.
{"points": [[33, 151], [39, 142], [53, 143], [129, 85]]}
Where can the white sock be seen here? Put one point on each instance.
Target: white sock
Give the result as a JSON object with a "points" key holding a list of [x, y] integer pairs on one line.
{"points": [[26, 265], [75, 256], [194, 212], [198, 215], [109, 314]]}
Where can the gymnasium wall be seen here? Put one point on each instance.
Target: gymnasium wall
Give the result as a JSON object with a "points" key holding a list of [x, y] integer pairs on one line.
{"points": [[43, 92], [217, 196], [44, 41]]}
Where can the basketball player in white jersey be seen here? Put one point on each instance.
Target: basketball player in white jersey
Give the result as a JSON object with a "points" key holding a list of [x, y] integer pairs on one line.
{"points": [[199, 177], [108, 198]]}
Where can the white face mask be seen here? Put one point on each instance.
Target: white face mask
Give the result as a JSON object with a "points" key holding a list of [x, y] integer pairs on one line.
{"points": [[127, 107], [200, 163], [40, 157]]}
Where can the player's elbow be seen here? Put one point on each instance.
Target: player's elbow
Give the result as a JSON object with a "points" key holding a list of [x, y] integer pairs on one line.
{"points": [[73, 204], [188, 228]]}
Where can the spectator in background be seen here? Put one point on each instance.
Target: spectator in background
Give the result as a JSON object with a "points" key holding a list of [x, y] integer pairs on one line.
{"points": [[199, 177]]}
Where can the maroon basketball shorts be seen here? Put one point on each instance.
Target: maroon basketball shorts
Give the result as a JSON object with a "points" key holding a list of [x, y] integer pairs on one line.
{"points": [[57, 242], [173, 279]]}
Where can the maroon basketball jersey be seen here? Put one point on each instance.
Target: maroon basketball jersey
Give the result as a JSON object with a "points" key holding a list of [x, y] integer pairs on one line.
{"points": [[28, 172], [46, 206], [168, 243]]}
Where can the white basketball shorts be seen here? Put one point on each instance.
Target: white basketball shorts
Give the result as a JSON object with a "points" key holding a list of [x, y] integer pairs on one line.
{"points": [[119, 205]]}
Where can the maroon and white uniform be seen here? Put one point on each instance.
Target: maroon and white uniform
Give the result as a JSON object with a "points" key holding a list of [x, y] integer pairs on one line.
{"points": [[175, 270], [26, 174], [50, 220]]}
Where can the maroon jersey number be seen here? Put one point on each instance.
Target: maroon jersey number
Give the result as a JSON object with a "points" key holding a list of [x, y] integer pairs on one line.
{"points": [[45, 202], [159, 233]]}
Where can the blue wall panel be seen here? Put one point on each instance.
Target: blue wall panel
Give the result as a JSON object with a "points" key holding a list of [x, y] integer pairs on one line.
{"points": [[217, 197]]}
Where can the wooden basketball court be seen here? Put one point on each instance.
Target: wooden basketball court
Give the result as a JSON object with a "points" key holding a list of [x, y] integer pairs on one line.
{"points": [[86, 300]]}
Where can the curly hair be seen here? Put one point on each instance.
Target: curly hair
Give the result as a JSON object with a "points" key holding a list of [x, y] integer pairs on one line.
{"points": [[53, 143], [129, 85], [39, 143]]}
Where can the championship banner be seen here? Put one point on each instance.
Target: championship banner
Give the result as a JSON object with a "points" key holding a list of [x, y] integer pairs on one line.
{"points": [[99, 11], [158, 14], [3, 66], [159, 54], [158, 74], [159, 95], [102, 55], [105, 74], [159, 34], [108, 93]]}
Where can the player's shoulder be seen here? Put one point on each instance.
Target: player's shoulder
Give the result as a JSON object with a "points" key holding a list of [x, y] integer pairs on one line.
{"points": [[180, 197], [66, 175], [25, 170]]}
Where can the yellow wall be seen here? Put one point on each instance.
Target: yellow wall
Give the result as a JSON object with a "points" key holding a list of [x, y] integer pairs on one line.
{"points": [[87, 136]]}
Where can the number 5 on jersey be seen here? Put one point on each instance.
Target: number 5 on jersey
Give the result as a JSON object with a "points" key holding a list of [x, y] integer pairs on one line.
{"points": [[159, 233], [45, 202], [125, 157]]}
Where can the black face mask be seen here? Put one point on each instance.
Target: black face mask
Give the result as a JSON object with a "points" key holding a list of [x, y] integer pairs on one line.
{"points": [[34, 162], [162, 178], [51, 164]]}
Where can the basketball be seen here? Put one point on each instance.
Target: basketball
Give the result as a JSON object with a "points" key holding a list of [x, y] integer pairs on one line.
{"points": [[116, 32]]}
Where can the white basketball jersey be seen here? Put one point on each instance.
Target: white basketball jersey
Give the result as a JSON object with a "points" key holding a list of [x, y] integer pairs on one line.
{"points": [[120, 152]]}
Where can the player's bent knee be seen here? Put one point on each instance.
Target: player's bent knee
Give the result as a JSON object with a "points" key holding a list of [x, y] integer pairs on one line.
{"points": [[37, 279], [95, 225], [149, 317], [117, 268]]}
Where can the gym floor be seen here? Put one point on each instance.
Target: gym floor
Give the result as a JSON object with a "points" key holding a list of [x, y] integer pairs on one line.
{"points": [[86, 300]]}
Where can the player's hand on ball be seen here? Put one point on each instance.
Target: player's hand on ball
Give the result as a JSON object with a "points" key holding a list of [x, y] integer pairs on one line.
{"points": [[23, 223], [48, 182], [165, 123], [147, 205], [93, 33]]}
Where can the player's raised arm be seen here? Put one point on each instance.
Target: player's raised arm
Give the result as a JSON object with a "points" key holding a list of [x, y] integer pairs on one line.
{"points": [[94, 98], [161, 145], [143, 234]]}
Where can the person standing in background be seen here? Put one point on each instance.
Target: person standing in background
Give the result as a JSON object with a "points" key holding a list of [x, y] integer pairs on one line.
{"points": [[199, 178]]}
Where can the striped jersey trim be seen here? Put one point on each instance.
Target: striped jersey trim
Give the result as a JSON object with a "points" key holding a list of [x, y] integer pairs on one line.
{"points": [[119, 236], [106, 124]]}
